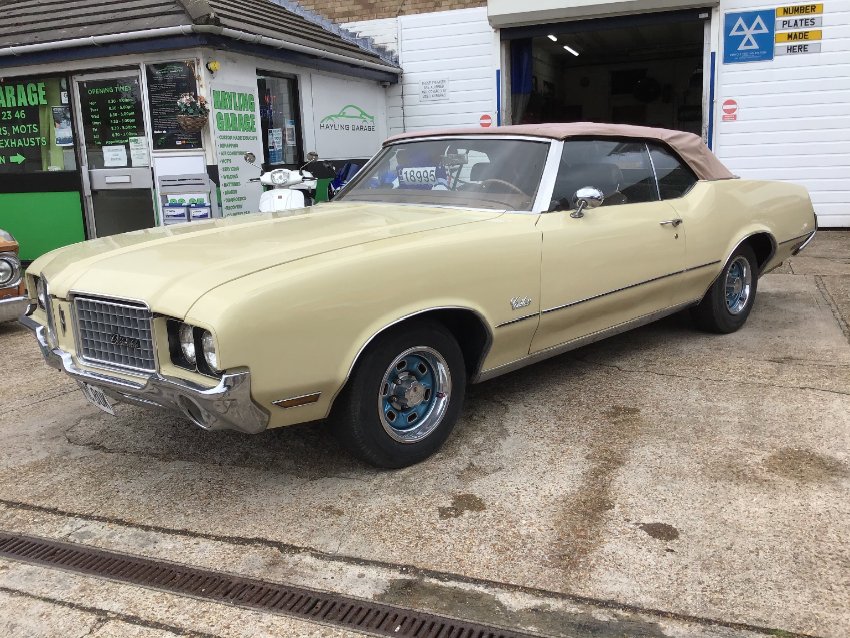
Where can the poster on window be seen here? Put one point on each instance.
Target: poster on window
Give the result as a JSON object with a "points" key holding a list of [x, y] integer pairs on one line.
{"points": [[275, 146], [347, 118], [167, 81], [62, 125], [290, 133]]}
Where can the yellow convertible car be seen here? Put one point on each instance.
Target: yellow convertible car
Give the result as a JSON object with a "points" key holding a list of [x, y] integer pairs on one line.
{"points": [[453, 257]]}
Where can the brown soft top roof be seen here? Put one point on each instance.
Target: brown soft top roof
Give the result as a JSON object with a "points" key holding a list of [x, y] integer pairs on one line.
{"points": [[689, 146]]}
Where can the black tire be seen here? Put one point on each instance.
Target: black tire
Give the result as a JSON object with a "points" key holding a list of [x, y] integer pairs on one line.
{"points": [[713, 313], [357, 418]]}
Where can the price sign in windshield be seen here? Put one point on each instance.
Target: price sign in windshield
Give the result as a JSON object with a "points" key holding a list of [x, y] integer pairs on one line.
{"points": [[418, 175]]}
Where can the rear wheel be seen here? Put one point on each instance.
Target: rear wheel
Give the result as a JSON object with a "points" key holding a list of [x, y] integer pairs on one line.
{"points": [[728, 302], [404, 397]]}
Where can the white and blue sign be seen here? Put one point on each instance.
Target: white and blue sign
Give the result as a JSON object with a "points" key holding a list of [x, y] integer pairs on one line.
{"points": [[748, 36]]}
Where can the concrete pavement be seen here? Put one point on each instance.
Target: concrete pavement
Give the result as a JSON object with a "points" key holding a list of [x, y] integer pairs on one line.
{"points": [[664, 482]]}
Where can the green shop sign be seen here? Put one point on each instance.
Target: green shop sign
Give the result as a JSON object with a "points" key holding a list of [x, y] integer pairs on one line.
{"points": [[235, 111], [20, 126], [17, 95]]}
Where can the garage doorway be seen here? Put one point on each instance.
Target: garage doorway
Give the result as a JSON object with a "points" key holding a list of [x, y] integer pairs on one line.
{"points": [[646, 70]]}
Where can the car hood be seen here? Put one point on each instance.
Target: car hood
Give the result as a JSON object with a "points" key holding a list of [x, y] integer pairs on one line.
{"points": [[170, 268]]}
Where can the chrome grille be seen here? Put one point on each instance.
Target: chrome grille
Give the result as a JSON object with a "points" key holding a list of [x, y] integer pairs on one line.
{"points": [[115, 333]]}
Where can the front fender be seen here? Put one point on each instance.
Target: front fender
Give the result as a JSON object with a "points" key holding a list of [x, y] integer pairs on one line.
{"points": [[300, 327]]}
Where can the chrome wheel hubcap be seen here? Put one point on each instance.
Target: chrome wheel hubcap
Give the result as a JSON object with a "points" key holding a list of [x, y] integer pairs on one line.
{"points": [[739, 284], [414, 394]]}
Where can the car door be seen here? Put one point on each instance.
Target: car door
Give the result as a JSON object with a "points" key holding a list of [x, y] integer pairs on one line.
{"points": [[616, 263], [705, 241]]}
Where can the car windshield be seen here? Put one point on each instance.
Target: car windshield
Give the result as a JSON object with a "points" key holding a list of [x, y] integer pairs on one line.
{"points": [[490, 173]]}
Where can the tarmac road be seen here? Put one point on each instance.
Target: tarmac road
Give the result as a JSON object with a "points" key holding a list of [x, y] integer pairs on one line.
{"points": [[665, 482]]}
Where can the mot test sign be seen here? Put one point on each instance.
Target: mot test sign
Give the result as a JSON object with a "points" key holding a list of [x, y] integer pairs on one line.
{"points": [[756, 36]]}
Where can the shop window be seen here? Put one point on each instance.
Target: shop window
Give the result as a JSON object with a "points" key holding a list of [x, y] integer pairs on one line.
{"points": [[675, 178], [36, 127], [113, 122], [280, 118], [620, 169]]}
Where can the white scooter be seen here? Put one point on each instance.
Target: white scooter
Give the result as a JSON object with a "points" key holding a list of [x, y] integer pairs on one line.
{"points": [[291, 189]]}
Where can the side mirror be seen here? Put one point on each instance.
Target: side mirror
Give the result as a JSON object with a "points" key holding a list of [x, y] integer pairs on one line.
{"points": [[250, 158], [587, 197]]}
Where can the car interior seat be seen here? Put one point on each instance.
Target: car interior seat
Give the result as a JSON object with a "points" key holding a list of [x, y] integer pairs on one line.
{"points": [[605, 176], [479, 172]]}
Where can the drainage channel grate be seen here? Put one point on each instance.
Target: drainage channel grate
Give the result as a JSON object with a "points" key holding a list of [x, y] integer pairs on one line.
{"points": [[305, 604]]}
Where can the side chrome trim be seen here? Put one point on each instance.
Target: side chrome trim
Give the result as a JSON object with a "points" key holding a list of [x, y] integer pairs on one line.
{"points": [[547, 179], [484, 353], [802, 246], [654, 172], [50, 328], [518, 319], [772, 254], [554, 351], [479, 136], [797, 238], [640, 283], [295, 402], [811, 236], [377, 157]]}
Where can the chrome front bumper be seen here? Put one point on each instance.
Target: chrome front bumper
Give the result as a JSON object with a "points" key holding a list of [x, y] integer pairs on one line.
{"points": [[227, 406], [12, 308]]}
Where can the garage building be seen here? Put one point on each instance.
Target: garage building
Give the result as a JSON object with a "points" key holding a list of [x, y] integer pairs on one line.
{"points": [[93, 139], [766, 85]]}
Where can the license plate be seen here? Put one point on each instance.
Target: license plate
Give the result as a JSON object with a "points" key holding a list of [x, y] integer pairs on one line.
{"points": [[97, 398]]}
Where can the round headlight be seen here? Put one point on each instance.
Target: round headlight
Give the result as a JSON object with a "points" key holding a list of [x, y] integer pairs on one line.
{"points": [[208, 346], [7, 272], [41, 293], [187, 342], [280, 176]]}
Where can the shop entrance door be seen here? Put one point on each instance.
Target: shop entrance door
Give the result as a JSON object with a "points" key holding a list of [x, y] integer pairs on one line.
{"points": [[117, 180]]}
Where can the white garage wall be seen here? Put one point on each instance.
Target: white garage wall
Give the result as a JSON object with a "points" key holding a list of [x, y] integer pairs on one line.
{"points": [[456, 45], [793, 120]]}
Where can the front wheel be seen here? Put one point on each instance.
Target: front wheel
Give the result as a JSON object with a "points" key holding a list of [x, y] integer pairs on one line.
{"points": [[728, 302], [404, 397]]}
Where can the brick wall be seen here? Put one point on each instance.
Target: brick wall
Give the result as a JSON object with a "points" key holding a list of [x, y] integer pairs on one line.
{"points": [[351, 10]]}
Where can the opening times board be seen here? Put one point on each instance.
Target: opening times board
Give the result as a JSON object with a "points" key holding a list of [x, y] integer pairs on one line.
{"points": [[112, 111]]}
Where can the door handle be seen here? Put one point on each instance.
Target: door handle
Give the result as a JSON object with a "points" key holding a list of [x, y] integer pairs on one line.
{"points": [[671, 222]]}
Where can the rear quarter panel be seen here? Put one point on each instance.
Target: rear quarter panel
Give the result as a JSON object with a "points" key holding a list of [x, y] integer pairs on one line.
{"points": [[299, 327], [719, 215]]}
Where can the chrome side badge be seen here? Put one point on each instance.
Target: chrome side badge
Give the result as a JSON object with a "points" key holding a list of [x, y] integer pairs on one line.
{"points": [[520, 302], [62, 319]]}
